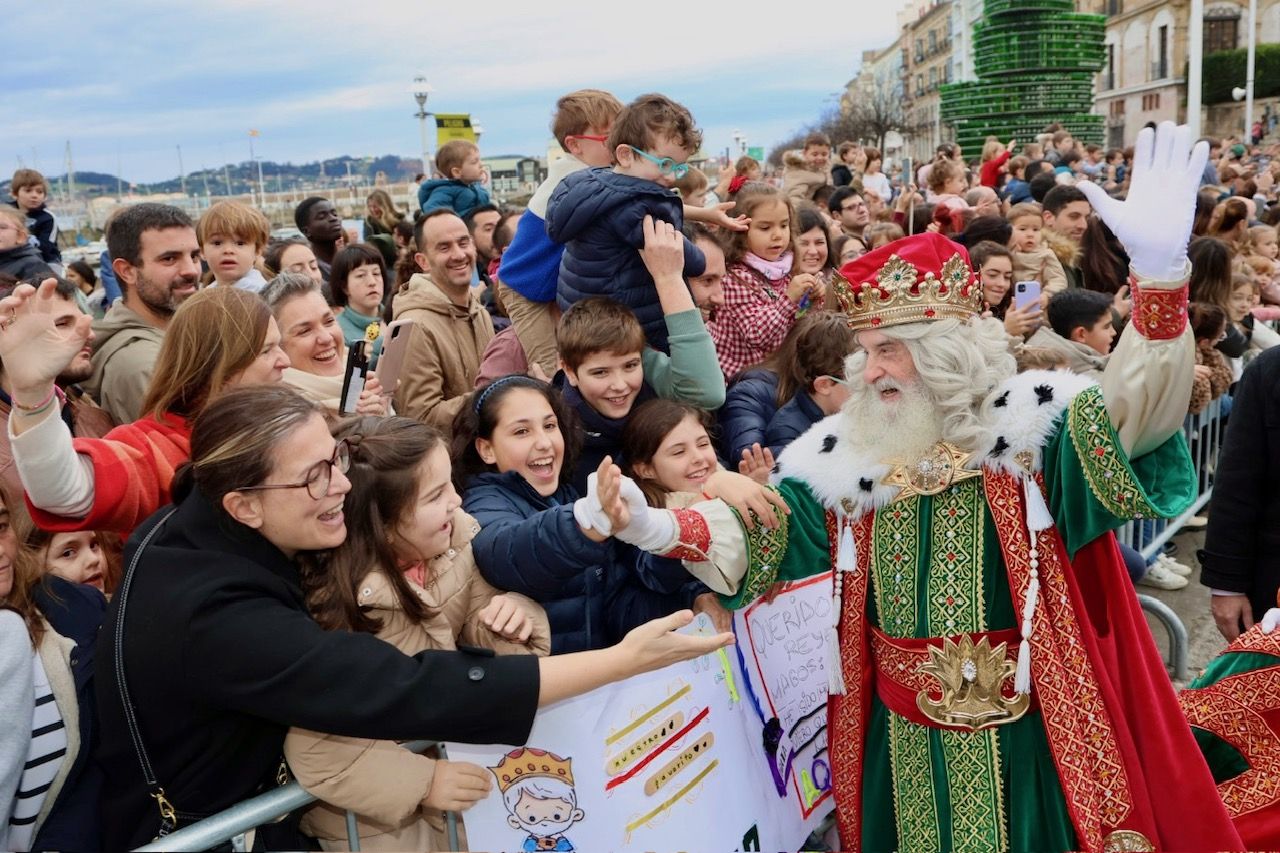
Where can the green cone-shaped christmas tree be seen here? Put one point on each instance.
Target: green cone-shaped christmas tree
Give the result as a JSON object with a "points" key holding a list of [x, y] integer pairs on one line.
{"points": [[1035, 61]]}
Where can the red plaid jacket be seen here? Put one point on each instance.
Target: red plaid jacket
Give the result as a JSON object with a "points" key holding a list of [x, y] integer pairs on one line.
{"points": [[754, 319], [133, 468]]}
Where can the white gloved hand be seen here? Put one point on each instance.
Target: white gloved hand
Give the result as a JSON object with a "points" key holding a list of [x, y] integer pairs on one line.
{"points": [[650, 529], [1270, 620], [588, 512], [1154, 221]]}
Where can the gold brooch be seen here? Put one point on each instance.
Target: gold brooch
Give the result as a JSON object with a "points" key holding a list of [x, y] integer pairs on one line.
{"points": [[932, 473], [971, 677]]}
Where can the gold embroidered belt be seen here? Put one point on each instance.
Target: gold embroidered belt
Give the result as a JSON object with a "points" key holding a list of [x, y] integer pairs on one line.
{"points": [[963, 682]]}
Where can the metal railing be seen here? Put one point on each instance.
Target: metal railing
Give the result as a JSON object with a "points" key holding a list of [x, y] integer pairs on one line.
{"points": [[234, 823], [1204, 433]]}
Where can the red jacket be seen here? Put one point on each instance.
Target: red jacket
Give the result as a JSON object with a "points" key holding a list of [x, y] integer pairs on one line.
{"points": [[989, 174], [133, 468]]}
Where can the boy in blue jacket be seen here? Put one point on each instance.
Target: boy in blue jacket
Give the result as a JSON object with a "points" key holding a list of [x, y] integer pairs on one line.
{"points": [[30, 190], [599, 213], [462, 191]]}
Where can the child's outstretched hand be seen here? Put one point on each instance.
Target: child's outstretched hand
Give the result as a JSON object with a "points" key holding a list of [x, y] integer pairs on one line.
{"points": [[504, 616], [718, 214], [756, 463], [457, 786]]}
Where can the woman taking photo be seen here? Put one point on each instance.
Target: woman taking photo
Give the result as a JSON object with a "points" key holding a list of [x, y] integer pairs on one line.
{"points": [[213, 654], [220, 338], [312, 338]]}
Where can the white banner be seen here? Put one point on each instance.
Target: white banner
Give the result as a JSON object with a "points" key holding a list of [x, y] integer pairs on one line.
{"points": [[727, 752]]}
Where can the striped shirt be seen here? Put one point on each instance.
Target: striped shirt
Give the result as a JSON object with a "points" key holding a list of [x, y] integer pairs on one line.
{"points": [[44, 759]]}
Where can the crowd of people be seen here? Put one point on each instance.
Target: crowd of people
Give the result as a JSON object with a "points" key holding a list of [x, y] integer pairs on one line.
{"points": [[219, 569]]}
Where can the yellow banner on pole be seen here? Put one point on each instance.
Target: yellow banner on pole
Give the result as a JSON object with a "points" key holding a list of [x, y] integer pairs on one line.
{"points": [[451, 126]]}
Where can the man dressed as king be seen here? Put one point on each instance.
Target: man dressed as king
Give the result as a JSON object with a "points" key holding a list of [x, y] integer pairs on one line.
{"points": [[997, 687]]}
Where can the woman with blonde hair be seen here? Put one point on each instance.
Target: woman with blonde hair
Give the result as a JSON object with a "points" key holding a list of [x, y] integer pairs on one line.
{"points": [[220, 338], [383, 214]]}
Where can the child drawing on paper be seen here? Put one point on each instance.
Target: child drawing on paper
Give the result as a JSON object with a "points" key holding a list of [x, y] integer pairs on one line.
{"points": [[537, 789]]}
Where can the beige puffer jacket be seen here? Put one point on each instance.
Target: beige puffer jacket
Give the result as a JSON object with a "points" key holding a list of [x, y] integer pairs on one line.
{"points": [[380, 781]]}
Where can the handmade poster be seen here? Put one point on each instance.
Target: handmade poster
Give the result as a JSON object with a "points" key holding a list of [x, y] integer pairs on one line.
{"points": [[726, 752]]}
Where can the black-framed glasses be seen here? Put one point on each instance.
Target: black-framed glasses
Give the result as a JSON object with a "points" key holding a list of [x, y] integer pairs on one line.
{"points": [[318, 477]]}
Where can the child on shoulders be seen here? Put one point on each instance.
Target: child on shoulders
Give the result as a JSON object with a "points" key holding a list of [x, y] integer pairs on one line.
{"points": [[599, 214], [1033, 259], [462, 189], [232, 237], [30, 189]]}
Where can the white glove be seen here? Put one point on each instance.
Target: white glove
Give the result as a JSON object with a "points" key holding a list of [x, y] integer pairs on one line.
{"points": [[588, 512], [1154, 221], [1270, 620], [650, 529]]}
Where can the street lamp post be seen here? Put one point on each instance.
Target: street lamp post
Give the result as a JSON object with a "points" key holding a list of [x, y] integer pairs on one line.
{"points": [[421, 90]]}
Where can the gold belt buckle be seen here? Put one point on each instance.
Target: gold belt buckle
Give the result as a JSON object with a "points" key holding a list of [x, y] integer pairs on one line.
{"points": [[971, 676]]}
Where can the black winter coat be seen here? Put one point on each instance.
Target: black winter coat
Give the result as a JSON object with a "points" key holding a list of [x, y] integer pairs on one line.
{"points": [[601, 436], [1242, 543], [75, 821], [593, 592], [599, 215], [221, 658], [24, 263]]}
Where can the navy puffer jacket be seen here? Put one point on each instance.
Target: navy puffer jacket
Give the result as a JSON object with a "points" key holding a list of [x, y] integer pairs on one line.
{"points": [[749, 405], [593, 592], [792, 421], [599, 215]]}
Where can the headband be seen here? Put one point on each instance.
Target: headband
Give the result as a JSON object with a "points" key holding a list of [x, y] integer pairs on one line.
{"points": [[736, 183], [495, 384]]}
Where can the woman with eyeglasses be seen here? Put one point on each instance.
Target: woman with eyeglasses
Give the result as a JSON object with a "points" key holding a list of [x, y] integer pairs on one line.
{"points": [[220, 338], [210, 653]]}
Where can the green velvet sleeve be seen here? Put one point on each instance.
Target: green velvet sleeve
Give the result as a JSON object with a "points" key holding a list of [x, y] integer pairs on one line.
{"points": [[1094, 487], [796, 550]]}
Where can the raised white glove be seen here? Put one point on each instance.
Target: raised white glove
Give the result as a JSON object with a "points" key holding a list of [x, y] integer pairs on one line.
{"points": [[1270, 620], [588, 512], [1154, 221], [650, 529]]}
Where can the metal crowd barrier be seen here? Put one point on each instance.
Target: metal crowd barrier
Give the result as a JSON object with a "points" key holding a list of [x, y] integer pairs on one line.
{"points": [[1204, 433], [234, 823]]}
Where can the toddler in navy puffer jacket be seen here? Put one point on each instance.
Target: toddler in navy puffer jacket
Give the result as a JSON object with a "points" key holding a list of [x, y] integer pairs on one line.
{"points": [[599, 213]]}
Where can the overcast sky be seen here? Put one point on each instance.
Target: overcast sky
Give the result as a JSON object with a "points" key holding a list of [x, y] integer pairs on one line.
{"points": [[129, 81]]}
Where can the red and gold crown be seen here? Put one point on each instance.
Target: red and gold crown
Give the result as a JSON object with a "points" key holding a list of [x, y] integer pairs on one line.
{"points": [[526, 762], [912, 280]]}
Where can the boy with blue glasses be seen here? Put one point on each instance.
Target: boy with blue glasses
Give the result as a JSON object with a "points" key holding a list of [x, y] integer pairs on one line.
{"points": [[599, 213]]}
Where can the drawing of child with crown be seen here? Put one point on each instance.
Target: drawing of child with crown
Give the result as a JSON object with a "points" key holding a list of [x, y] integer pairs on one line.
{"points": [[537, 789]]}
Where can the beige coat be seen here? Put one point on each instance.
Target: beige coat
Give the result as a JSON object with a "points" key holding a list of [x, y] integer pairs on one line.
{"points": [[1041, 265], [799, 182], [446, 345], [125, 347], [379, 780]]}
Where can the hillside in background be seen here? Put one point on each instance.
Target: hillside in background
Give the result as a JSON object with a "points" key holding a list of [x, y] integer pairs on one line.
{"points": [[243, 176]]}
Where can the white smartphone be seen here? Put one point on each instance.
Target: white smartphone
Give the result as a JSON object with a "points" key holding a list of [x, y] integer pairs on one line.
{"points": [[1026, 294]]}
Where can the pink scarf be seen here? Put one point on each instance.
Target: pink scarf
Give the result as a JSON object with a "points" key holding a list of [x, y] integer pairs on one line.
{"points": [[772, 270]]}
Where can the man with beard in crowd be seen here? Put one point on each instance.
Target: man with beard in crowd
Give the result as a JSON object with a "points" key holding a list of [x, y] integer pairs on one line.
{"points": [[994, 683], [156, 259]]}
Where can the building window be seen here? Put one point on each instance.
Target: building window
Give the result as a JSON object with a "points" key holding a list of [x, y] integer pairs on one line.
{"points": [[933, 78], [1117, 108], [919, 85], [933, 41], [1115, 7], [1221, 33], [919, 50], [1109, 73], [1162, 54], [1151, 102]]}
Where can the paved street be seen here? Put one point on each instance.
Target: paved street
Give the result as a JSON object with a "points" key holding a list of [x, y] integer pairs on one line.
{"points": [[1192, 606]]}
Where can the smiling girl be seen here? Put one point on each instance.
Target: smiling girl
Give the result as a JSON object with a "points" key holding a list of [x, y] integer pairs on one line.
{"points": [[405, 573], [514, 448], [761, 296]]}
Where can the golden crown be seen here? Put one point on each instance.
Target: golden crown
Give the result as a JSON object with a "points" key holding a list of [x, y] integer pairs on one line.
{"points": [[901, 294], [526, 762]]}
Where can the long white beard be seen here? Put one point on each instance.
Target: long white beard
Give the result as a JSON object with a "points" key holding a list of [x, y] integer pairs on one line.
{"points": [[899, 431]]}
